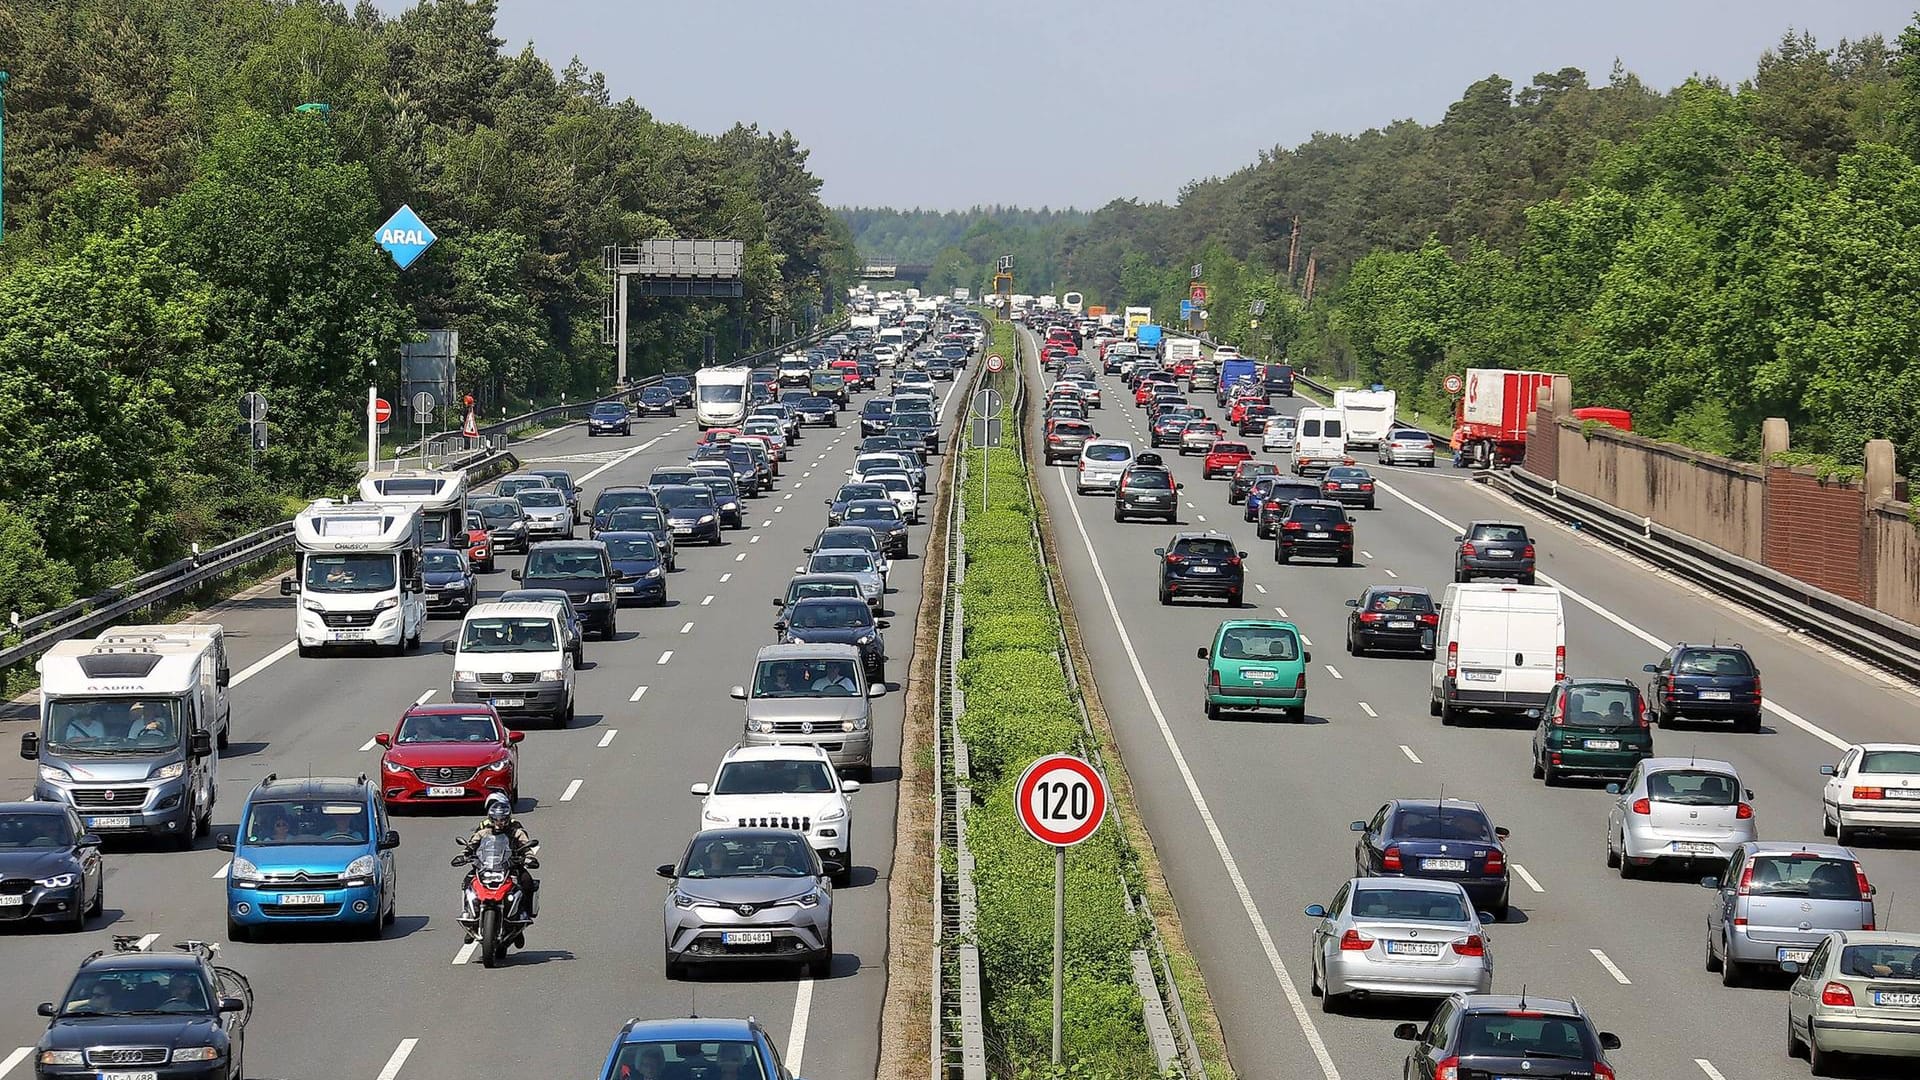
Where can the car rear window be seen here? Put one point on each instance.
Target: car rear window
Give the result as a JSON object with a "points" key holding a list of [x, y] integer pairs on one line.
{"points": [[1258, 468], [1881, 961], [1230, 448], [1070, 428], [1414, 603], [1714, 662], [1500, 534], [1420, 905], [1816, 877], [1098, 452], [1318, 515], [1692, 787], [1523, 1034], [1602, 706], [1153, 478], [1450, 823], [1259, 643], [1206, 548]]}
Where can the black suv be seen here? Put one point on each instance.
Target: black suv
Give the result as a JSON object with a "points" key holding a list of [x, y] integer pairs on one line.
{"points": [[1314, 528], [1494, 549], [1147, 489], [1201, 564], [584, 571], [1713, 681], [1398, 617], [1277, 500], [132, 1010], [1484, 1035]]}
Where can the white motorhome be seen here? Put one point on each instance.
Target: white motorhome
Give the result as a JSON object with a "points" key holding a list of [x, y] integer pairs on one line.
{"points": [[1320, 441], [1368, 414], [1071, 301], [356, 576], [720, 396], [1500, 648], [129, 725], [439, 494]]}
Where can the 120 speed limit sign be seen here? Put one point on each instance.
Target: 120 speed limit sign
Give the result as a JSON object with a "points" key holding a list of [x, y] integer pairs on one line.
{"points": [[1061, 800]]}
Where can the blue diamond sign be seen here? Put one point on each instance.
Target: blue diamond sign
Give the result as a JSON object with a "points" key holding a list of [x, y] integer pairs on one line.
{"points": [[405, 237]]}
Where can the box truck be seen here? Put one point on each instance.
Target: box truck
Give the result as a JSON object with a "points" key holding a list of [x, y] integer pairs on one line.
{"points": [[1490, 421]]}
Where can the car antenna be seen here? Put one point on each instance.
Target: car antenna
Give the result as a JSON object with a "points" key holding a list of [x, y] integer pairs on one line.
{"points": [[1523, 998]]}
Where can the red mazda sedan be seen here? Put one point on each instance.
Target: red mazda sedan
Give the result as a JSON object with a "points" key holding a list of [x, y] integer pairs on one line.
{"points": [[449, 755]]}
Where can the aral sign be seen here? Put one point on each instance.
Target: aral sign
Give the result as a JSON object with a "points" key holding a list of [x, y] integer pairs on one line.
{"points": [[405, 237]]}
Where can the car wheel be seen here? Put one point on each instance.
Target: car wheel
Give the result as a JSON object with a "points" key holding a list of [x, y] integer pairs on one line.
{"points": [[1346, 558], [1795, 1047], [675, 971], [99, 897], [305, 651], [1732, 972], [1540, 774], [1499, 911], [820, 965], [239, 932], [1712, 962], [1460, 575], [1748, 724], [1449, 716], [1549, 776], [1526, 579], [1843, 835], [1297, 714], [1613, 857], [1165, 597], [1210, 709], [1826, 824], [1280, 554], [1820, 1062], [1233, 599]]}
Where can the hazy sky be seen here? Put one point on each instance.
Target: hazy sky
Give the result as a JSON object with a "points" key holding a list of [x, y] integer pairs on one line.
{"points": [[901, 103]]}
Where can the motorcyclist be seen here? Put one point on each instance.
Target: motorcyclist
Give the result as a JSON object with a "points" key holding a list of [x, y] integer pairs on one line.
{"points": [[500, 819]]}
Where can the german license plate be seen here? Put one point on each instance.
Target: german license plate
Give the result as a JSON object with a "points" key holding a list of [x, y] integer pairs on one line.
{"points": [[508, 702], [682, 530], [1258, 674], [1317, 536], [147, 1075], [11, 900], [1716, 695], [1413, 948], [1480, 676], [1904, 999], [349, 635], [1455, 865], [1798, 956], [1901, 793], [445, 792], [747, 937], [1400, 624], [109, 822], [302, 899], [1603, 744], [623, 588], [1206, 569], [1349, 487], [1682, 848], [1500, 553]]}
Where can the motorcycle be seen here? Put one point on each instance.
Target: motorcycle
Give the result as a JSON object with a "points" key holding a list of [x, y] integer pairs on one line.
{"points": [[494, 909]]}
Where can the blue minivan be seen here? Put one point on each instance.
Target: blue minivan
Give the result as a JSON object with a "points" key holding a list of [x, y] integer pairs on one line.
{"points": [[315, 850]]}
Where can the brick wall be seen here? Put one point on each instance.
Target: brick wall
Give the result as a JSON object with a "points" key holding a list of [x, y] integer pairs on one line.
{"points": [[1543, 444], [1815, 532]]}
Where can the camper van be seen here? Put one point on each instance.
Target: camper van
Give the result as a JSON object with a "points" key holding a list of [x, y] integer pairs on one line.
{"points": [[441, 496], [356, 576], [720, 396], [1500, 648], [1320, 441], [1368, 414], [130, 723]]}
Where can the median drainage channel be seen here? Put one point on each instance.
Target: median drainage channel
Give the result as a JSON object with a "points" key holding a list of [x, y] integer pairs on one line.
{"points": [[1013, 693]]}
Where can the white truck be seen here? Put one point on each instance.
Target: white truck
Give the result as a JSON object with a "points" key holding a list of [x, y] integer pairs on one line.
{"points": [[1072, 302], [1368, 414], [1181, 350], [356, 576], [962, 296], [864, 322]]}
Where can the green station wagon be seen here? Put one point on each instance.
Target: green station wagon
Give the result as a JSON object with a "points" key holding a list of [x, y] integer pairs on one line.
{"points": [[1596, 728], [1256, 664]]}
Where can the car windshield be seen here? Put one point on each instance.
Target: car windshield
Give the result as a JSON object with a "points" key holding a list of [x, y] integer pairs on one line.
{"points": [[1442, 823], [721, 487], [1150, 479], [306, 821], [545, 498], [723, 393], [36, 832], [607, 409], [357, 573], [894, 483], [614, 500], [1714, 662], [1259, 643], [1816, 877], [1206, 548], [1522, 1035], [1419, 905], [1499, 534], [1690, 787], [760, 855], [851, 492], [442, 562], [848, 562], [1602, 706], [447, 727], [496, 511], [117, 725], [830, 615], [137, 992], [656, 395], [774, 778], [677, 384], [1897, 762], [1890, 961], [505, 635], [1106, 452], [631, 548], [1408, 602], [580, 563], [805, 678], [635, 519]]}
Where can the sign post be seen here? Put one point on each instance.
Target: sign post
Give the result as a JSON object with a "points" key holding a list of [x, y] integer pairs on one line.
{"points": [[986, 426], [404, 237], [253, 408], [423, 415], [1061, 800]]}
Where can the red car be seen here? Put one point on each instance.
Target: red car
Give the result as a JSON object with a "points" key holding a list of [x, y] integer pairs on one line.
{"points": [[449, 755], [1223, 459], [1244, 407]]}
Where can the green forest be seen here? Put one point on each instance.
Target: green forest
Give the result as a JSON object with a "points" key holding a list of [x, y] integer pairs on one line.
{"points": [[179, 232], [963, 246], [1706, 256]]}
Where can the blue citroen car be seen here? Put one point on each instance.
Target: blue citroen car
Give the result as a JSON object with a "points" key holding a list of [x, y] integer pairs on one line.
{"points": [[695, 1046], [313, 850], [639, 567]]}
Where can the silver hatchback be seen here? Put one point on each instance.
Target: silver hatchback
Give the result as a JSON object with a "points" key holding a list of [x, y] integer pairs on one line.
{"points": [[1675, 809], [1778, 901], [1858, 994]]}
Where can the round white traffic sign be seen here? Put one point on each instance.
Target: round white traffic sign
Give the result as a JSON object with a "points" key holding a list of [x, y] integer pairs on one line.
{"points": [[1061, 800], [1452, 384], [994, 363]]}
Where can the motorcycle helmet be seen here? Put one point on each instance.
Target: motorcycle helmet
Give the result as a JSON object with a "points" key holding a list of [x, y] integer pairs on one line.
{"points": [[499, 808]]}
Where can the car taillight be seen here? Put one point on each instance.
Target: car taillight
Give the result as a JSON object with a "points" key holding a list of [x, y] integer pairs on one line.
{"points": [[1559, 661], [1744, 811], [1869, 793], [1355, 941], [1746, 881], [1602, 1071], [1292, 526], [1467, 549], [1300, 681], [1643, 806], [1453, 659], [1756, 688], [1448, 1069], [1496, 862], [1473, 945], [1390, 859], [1835, 993], [1366, 487], [1233, 561], [1527, 552], [1866, 888], [1370, 616], [1343, 527], [1053, 438], [1559, 716], [1176, 559], [1213, 678]]}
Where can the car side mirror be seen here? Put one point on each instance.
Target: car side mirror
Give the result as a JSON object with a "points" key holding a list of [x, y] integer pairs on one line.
{"points": [[665, 870], [1407, 1032], [223, 842], [232, 1005], [46, 1008], [780, 626], [1610, 1041], [1353, 603], [200, 744], [1242, 554], [848, 787], [1655, 668], [1201, 652], [876, 689], [1709, 882], [1357, 826], [777, 602], [286, 586], [518, 575], [1459, 539], [1352, 520], [88, 840], [30, 746], [390, 841], [702, 789], [1306, 656], [449, 646], [383, 739], [738, 693], [1502, 833], [1789, 967], [1829, 770], [1613, 789], [883, 624], [1179, 487], [1317, 911], [516, 736], [1749, 794], [1159, 551], [1484, 916]]}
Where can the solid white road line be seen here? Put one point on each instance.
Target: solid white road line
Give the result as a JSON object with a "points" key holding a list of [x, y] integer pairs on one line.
{"points": [[1618, 975], [1287, 986], [422, 699], [638, 693], [1526, 877], [1331, 670], [1368, 709], [218, 875], [572, 790], [466, 952], [263, 663], [1705, 1067], [607, 739], [707, 601], [797, 1038], [664, 657], [19, 1055], [399, 1058], [1411, 756], [1653, 640], [616, 460], [687, 629], [146, 942]]}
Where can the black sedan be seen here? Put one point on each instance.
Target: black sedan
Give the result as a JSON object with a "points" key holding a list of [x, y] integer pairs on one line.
{"points": [[451, 586], [691, 512], [50, 864], [1349, 485], [608, 418], [837, 506], [1448, 840], [883, 517], [726, 496], [658, 400], [137, 1010], [682, 388], [1397, 617], [837, 620]]}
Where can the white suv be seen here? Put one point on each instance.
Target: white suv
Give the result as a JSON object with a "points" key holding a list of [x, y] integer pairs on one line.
{"points": [[784, 787]]}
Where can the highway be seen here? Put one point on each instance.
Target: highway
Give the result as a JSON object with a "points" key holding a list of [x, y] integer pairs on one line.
{"points": [[607, 798], [1250, 817]]}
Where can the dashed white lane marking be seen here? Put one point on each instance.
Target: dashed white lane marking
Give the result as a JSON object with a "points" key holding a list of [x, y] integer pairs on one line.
{"points": [[1618, 975], [726, 577], [572, 790], [802, 1011], [754, 539], [399, 1058], [1366, 554], [19, 1055], [707, 601], [422, 699], [687, 628], [742, 557], [1528, 878], [218, 875], [1411, 756], [808, 473], [607, 739], [146, 942], [263, 663], [408, 1045], [767, 523], [1331, 670], [638, 693], [1368, 709], [787, 496], [1705, 1067], [777, 509], [1280, 611], [466, 953], [1200, 518], [1390, 574], [1307, 641], [1260, 587], [664, 657]]}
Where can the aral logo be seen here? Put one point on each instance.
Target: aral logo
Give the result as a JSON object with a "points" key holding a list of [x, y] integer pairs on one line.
{"points": [[390, 237], [404, 236]]}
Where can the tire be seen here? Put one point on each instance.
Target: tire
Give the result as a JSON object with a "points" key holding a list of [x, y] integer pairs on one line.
{"points": [[1549, 776], [1449, 716], [1297, 714], [226, 734], [1712, 962], [99, 898], [1165, 597], [1345, 560], [1843, 835], [1211, 710], [1461, 576], [1819, 1062], [1541, 774], [1526, 579], [1748, 724], [306, 653], [1433, 706], [489, 937], [1233, 599], [1499, 911], [820, 965], [1826, 824], [1795, 1048], [1280, 555], [1628, 871], [1732, 972], [566, 716], [238, 932], [1613, 857], [191, 834]]}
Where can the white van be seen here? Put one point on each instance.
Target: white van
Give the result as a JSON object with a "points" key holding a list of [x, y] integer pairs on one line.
{"points": [[1320, 441], [1500, 648], [514, 656]]}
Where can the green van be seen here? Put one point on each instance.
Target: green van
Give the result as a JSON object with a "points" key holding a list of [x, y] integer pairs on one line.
{"points": [[1256, 664]]}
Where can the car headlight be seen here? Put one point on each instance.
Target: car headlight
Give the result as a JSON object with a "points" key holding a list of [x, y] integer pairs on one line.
{"points": [[389, 602], [550, 675], [499, 766], [466, 677], [796, 639], [834, 814], [313, 605], [393, 767], [59, 1057], [242, 870], [598, 598], [364, 866], [57, 881], [169, 772], [865, 639], [196, 1053], [55, 773], [764, 727], [682, 900], [808, 899], [657, 571]]}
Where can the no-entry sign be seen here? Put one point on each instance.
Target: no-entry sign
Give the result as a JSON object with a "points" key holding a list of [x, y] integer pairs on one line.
{"points": [[1061, 800], [382, 412]]}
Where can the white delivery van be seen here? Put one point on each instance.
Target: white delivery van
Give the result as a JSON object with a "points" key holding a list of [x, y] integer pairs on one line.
{"points": [[1320, 441], [1500, 648], [515, 657]]}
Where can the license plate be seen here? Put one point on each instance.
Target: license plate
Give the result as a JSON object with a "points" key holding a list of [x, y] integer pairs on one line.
{"points": [[1400, 624], [623, 588], [302, 899], [679, 530], [508, 702], [1716, 695], [148, 1075], [1901, 793], [747, 937], [1905, 999], [349, 635], [1798, 956], [109, 822], [1317, 536], [1455, 865], [1413, 948], [1349, 487], [1603, 744], [1480, 676], [1499, 553], [12, 901], [1153, 498], [1258, 674], [1681, 848], [1206, 569], [445, 792]]}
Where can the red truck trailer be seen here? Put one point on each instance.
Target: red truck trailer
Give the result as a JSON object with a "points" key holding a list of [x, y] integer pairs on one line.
{"points": [[1490, 421]]}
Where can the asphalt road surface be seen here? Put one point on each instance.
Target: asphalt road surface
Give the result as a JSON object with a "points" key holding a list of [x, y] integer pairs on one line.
{"points": [[607, 798], [1250, 816]]}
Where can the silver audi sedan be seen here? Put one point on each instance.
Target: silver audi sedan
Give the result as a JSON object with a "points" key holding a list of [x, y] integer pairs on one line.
{"points": [[1399, 937], [1676, 809]]}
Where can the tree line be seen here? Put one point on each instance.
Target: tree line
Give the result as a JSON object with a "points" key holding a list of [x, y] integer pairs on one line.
{"points": [[179, 232]]}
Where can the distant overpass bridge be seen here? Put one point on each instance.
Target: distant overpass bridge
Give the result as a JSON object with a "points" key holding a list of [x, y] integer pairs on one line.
{"points": [[893, 270]]}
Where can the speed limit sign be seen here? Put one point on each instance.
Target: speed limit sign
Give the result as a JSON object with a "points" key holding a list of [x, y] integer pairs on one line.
{"points": [[1061, 800], [994, 363], [1452, 384]]}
